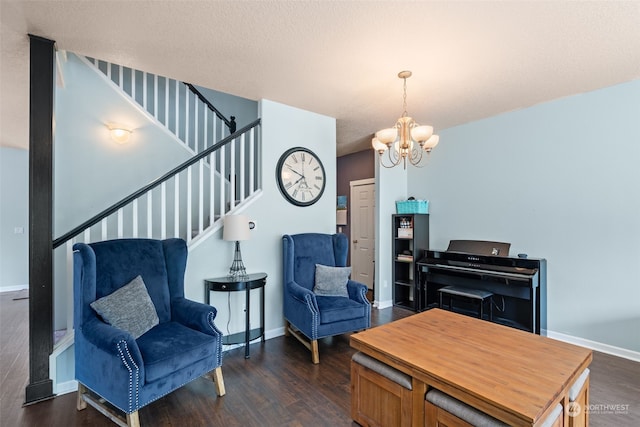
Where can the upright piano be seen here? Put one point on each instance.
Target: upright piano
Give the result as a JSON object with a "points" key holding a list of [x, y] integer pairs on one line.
{"points": [[518, 284]]}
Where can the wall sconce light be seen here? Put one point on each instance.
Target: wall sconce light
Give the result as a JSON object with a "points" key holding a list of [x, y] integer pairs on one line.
{"points": [[119, 134]]}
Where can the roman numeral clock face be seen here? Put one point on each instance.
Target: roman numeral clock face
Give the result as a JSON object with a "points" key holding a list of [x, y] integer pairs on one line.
{"points": [[300, 176]]}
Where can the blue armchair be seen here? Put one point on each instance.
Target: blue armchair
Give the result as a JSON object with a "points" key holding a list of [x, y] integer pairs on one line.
{"points": [[130, 372], [308, 316]]}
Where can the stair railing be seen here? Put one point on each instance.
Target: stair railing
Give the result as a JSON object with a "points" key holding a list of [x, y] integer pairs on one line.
{"points": [[177, 106], [230, 122], [188, 202], [237, 146]]}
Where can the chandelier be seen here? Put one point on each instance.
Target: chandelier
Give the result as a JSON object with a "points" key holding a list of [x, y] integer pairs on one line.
{"points": [[406, 140]]}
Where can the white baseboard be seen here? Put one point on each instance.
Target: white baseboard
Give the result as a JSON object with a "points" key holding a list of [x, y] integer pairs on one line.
{"points": [[66, 387], [14, 288], [594, 345], [273, 333], [383, 304]]}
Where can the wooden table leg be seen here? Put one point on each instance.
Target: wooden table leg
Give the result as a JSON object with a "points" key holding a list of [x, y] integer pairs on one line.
{"points": [[419, 392]]}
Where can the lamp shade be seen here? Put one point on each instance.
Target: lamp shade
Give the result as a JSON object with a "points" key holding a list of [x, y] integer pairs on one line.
{"points": [[387, 136], [431, 142], [378, 145], [421, 133], [236, 227]]}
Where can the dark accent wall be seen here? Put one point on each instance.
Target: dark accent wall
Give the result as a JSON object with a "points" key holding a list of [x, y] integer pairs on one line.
{"points": [[352, 167]]}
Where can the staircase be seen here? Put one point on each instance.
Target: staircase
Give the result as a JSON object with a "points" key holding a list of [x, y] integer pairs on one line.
{"points": [[177, 106], [189, 201]]}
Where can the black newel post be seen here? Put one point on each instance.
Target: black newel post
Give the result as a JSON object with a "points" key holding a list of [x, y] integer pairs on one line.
{"points": [[41, 87]]}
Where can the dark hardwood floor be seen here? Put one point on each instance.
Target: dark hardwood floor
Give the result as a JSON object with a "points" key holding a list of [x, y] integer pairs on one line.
{"points": [[277, 386]]}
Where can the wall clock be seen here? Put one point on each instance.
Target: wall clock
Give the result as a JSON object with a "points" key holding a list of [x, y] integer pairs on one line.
{"points": [[301, 177]]}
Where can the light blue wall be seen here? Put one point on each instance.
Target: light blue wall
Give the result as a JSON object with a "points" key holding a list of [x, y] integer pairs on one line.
{"points": [[281, 129], [389, 188], [559, 180], [14, 199], [91, 171]]}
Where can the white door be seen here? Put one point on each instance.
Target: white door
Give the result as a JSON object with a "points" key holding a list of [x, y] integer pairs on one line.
{"points": [[362, 207]]}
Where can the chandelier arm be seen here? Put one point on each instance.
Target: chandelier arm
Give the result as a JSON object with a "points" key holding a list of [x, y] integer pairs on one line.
{"points": [[394, 156], [386, 166], [382, 157], [416, 156], [418, 163]]}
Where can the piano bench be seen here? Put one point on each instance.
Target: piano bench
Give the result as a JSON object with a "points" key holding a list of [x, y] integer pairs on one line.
{"points": [[477, 296]]}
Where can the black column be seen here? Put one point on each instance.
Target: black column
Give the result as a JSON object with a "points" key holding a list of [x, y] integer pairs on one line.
{"points": [[40, 218]]}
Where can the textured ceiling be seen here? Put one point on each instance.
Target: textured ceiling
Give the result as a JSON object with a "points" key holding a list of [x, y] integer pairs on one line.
{"points": [[470, 60]]}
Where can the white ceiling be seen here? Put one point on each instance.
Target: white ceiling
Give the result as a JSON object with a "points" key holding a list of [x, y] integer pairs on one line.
{"points": [[470, 60]]}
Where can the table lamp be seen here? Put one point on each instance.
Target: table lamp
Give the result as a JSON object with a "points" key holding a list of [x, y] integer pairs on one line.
{"points": [[236, 228]]}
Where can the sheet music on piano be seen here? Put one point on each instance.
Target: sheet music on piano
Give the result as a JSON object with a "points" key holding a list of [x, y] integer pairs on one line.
{"points": [[479, 247]]}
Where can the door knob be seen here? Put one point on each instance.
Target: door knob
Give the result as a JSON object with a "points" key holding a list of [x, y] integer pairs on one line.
{"points": [[355, 241]]}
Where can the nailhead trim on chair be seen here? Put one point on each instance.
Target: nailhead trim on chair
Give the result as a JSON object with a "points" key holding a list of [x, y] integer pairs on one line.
{"points": [[314, 312], [363, 294], [137, 370], [210, 318]]}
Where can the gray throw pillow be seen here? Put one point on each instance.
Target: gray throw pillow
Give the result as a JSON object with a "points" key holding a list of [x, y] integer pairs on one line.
{"points": [[331, 281], [129, 308]]}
